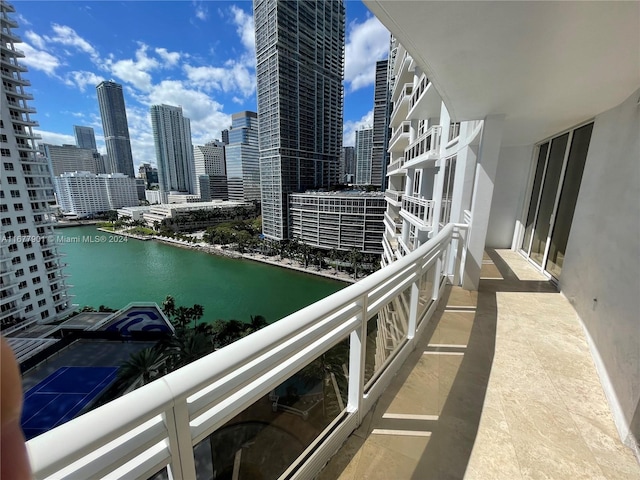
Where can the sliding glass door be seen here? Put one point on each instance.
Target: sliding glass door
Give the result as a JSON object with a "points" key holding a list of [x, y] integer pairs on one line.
{"points": [[554, 195]]}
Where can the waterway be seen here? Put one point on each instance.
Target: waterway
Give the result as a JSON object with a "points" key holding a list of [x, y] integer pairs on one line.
{"points": [[108, 271]]}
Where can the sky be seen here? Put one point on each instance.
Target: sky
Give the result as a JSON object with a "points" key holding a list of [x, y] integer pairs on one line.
{"points": [[196, 54]]}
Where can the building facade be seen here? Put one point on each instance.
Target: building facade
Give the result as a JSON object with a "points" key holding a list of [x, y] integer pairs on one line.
{"points": [[347, 165], [363, 151], [32, 284], [341, 220], [174, 152], [83, 194], [85, 137], [243, 162], [69, 158], [380, 138], [210, 167], [115, 127], [300, 52]]}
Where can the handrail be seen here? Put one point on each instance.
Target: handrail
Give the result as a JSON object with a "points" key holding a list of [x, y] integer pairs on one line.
{"points": [[158, 424], [427, 143]]}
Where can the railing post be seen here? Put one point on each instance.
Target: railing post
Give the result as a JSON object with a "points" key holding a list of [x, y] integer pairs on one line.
{"points": [[413, 307], [182, 466], [357, 353]]}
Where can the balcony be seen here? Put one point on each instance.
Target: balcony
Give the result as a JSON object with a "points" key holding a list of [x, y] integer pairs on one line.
{"points": [[400, 138], [425, 149], [501, 385], [418, 211], [394, 224], [161, 426], [395, 167], [425, 101], [401, 106], [393, 197]]}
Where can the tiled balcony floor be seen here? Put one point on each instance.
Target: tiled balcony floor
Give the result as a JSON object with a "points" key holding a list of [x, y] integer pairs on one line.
{"points": [[501, 386]]}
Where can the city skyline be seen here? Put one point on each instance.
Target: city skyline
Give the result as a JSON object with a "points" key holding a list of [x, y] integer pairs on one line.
{"points": [[209, 71]]}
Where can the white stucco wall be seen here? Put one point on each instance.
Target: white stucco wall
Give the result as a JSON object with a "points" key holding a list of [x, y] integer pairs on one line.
{"points": [[601, 273], [508, 194]]}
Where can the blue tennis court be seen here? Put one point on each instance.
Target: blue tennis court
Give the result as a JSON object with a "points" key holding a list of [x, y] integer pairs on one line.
{"points": [[62, 395]]}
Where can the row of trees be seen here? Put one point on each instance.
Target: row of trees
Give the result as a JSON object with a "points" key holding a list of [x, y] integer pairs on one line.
{"points": [[194, 339]]}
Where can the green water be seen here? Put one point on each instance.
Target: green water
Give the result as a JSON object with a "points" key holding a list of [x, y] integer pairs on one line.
{"points": [[114, 274]]}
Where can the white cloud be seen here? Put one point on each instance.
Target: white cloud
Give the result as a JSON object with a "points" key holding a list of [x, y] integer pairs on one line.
{"points": [[170, 58], [245, 28], [82, 78], [201, 11], [233, 77], [35, 39], [39, 59], [135, 71], [349, 128], [55, 138], [67, 36], [366, 43]]}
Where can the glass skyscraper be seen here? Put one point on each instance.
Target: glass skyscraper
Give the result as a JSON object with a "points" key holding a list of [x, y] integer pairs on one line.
{"points": [[85, 137], [300, 65], [243, 169], [116, 129], [380, 140], [364, 146], [174, 152]]}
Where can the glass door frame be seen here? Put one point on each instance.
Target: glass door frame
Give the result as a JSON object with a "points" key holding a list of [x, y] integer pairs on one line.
{"points": [[520, 248]]}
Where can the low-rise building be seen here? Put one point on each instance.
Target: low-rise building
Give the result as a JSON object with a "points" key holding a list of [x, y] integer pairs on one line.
{"points": [[342, 220], [184, 217]]}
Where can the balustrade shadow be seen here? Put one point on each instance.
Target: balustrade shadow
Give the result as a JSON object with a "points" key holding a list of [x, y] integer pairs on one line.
{"points": [[453, 433]]}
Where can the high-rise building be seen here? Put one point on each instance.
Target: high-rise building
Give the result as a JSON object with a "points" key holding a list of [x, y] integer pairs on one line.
{"points": [[174, 153], [347, 165], [225, 136], [116, 129], [32, 287], [69, 158], [84, 194], [363, 151], [243, 164], [380, 140], [300, 60], [209, 161], [148, 173], [85, 137]]}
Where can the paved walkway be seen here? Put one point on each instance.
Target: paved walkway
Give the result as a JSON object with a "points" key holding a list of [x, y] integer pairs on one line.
{"points": [[501, 386]]}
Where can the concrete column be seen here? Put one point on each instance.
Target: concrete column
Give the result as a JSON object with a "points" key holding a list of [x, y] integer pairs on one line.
{"points": [[481, 203]]}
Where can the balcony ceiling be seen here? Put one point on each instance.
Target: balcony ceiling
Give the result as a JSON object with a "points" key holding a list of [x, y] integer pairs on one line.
{"points": [[546, 65]]}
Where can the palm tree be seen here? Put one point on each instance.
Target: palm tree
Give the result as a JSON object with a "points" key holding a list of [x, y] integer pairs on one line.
{"points": [[169, 306], [355, 257], [142, 367], [325, 368], [188, 346], [257, 322]]}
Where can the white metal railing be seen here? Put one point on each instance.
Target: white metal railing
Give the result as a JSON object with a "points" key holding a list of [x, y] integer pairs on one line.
{"points": [[393, 195], [403, 129], [157, 425], [417, 93], [420, 208], [426, 144], [395, 165]]}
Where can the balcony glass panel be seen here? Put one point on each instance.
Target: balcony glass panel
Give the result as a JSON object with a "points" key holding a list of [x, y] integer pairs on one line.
{"points": [[266, 438], [425, 292], [386, 332]]}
